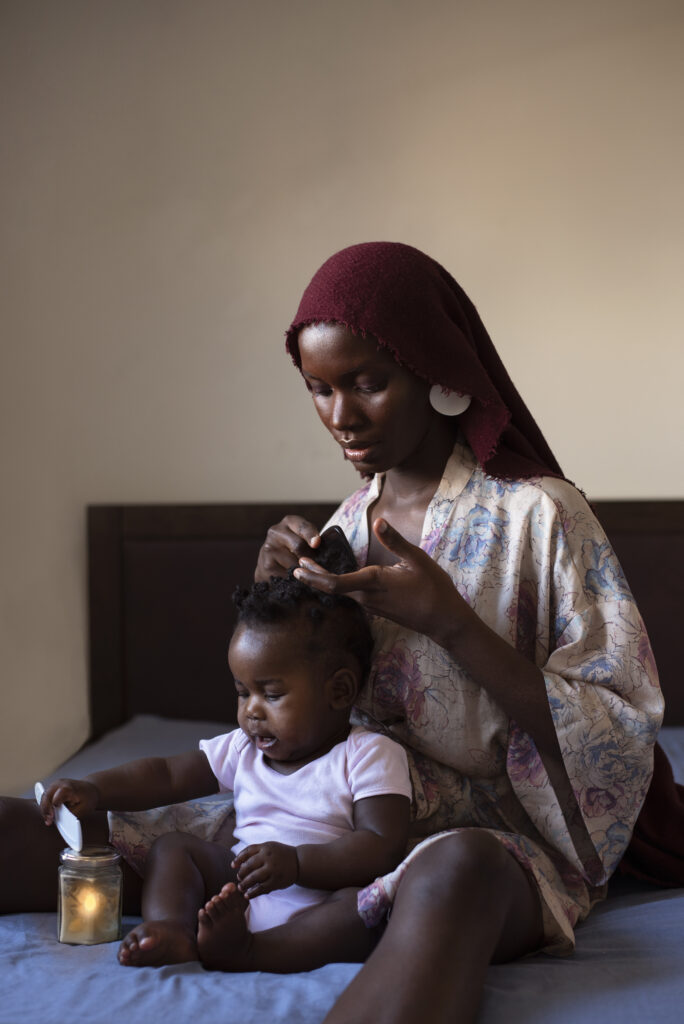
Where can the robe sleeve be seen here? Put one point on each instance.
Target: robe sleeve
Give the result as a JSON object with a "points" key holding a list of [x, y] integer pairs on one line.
{"points": [[602, 688]]}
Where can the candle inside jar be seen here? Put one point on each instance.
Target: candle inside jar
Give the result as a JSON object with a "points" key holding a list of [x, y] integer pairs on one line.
{"points": [[89, 897]]}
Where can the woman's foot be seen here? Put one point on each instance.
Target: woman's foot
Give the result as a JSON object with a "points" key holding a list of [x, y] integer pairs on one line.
{"points": [[155, 943], [223, 939]]}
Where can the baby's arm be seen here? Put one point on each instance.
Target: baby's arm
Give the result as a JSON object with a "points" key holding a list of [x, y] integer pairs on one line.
{"points": [[134, 786], [377, 844]]}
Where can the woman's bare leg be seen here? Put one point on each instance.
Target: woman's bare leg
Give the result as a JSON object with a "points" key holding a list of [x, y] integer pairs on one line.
{"points": [[29, 858], [464, 903], [181, 872]]}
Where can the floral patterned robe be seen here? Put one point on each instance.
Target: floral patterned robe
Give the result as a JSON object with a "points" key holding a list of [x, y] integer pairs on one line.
{"points": [[530, 558]]}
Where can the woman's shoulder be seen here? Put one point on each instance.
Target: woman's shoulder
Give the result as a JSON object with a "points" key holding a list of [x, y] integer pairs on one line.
{"points": [[568, 506], [538, 510], [558, 496]]}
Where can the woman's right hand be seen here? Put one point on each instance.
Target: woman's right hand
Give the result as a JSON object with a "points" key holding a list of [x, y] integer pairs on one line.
{"points": [[286, 542], [79, 796]]}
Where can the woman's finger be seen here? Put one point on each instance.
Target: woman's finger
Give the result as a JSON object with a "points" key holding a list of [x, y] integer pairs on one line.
{"points": [[284, 543], [393, 540], [303, 529], [312, 573]]}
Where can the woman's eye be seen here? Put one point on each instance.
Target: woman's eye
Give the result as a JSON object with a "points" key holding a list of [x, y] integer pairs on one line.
{"points": [[370, 385], [316, 389]]}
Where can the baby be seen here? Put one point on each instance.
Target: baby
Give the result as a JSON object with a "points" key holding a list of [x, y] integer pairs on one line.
{"points": [[320, 805]]}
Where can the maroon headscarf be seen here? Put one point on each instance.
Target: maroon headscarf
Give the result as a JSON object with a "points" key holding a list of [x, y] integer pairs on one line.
{"points": [[415, 309]]}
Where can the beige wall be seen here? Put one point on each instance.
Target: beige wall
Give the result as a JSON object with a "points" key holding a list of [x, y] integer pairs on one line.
{"points": [[172, 174]]}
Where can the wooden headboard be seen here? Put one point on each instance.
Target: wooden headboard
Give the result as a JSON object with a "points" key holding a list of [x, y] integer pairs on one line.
{"points": [[161, 579]]}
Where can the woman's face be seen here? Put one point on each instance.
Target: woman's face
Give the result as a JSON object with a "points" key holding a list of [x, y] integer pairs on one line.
{"points": [[377, 411]]}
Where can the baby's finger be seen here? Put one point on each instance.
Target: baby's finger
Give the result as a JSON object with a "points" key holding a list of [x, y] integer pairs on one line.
{"points": [[242, 862], [60, 795], [242, 856], [254, 891], [253, 883], [46, 809]]}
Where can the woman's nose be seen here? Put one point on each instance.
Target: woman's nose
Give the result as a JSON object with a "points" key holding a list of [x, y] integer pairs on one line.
{"points": [[344, 413]]}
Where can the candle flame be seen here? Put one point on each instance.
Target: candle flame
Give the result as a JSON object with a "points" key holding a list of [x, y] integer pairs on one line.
{"points": [[89, 901]]}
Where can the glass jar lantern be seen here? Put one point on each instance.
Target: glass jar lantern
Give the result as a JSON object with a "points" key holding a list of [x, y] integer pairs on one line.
{"points": [[90, 890]]}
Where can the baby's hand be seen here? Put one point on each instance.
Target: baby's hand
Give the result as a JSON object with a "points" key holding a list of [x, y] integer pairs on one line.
{"points": [[79, 796], [264, 867]]}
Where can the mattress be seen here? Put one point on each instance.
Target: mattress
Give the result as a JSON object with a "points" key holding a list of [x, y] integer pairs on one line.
{"points": [[628, 966]]}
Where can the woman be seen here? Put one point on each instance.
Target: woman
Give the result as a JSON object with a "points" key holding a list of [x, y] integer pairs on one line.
{"points": [[510, 659]]}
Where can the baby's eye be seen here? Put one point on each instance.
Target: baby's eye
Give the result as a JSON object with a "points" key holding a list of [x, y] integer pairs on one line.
{"points": [[273, 696]]}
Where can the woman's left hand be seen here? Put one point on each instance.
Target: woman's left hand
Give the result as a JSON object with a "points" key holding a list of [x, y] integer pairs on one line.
{"points": [[414, 592]]}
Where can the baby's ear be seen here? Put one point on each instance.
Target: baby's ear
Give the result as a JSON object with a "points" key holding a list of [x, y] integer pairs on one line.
{"points": [[342, 686]]}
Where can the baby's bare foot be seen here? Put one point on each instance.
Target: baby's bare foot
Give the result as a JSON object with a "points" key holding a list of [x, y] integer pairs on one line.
{"points": [[223, 939], [155, 943]]}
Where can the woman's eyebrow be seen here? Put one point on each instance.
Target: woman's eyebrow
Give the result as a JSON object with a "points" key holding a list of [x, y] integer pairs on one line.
{"points": [[354, 372]]}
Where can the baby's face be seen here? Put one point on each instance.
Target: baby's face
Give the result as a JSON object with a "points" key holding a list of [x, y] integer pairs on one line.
{"points": [[284, 698]]}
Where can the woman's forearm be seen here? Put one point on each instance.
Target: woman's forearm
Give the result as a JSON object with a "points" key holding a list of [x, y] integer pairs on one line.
{"points": [[514, 682]]}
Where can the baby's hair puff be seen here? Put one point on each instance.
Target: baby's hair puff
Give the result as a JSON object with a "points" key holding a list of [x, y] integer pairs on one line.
{"points": [[338, 624]]}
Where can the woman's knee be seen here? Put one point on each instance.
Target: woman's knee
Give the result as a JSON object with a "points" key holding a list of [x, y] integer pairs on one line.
{"points": [[469, 861], [9, 807], [22, 826], [29, 858], [471, 877]]}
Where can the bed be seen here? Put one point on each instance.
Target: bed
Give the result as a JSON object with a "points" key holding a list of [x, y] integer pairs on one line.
{"points": [[160, 614]]}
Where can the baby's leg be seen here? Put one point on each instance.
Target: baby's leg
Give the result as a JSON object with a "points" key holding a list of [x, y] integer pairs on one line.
{"points": [[330, 932], [180, 872], [464, 903]]}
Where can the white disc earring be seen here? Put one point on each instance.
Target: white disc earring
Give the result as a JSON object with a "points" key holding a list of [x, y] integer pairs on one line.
{"points": [[448, 403]]}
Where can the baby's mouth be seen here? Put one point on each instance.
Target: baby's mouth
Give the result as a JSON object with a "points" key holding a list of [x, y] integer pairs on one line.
{"points": [[265, 742]]}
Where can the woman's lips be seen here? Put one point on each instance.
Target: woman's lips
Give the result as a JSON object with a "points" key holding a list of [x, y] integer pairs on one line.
{"points": [[357, 453]]}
